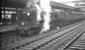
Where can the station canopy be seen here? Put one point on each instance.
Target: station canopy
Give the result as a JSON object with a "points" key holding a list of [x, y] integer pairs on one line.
{"points": [[22, 4]]}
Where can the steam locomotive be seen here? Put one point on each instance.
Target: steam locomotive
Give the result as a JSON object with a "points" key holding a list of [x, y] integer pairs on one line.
{"points": [[27, 24]]}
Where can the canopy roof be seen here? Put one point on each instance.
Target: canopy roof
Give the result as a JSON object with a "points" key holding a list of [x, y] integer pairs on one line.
{"points": [[60, 5], [22, 4]]}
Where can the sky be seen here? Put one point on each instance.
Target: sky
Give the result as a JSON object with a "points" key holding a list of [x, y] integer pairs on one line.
{"points": [[66, 2]]}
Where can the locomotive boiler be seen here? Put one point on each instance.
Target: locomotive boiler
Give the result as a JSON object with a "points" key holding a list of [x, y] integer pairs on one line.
{"points": [[64, 17]]}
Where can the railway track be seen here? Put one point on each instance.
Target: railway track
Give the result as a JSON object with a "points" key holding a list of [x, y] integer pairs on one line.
{"points": [[40, 41], [78, 44], [63, 42]]}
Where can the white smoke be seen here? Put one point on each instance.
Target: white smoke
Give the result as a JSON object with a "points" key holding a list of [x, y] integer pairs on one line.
{"points": [[38, 12], [45, 6]]}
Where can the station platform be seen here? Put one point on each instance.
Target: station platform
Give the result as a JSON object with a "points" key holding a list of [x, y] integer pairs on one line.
{"points": [[8, 27]]}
